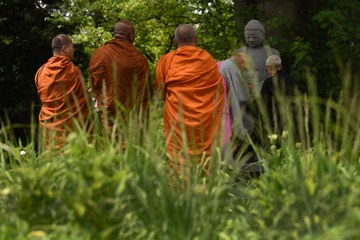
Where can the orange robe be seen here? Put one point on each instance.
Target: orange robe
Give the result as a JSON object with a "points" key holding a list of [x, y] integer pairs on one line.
{"points": [[64, 98], [192, 87], [119, 75]]}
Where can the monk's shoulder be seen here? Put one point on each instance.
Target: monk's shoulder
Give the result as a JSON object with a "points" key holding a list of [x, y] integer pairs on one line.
{"points": [[72, 70], [39, 74], [100, 57], [41, 68], [139, 54], [101, 52], [205, 54], [165, 58]]}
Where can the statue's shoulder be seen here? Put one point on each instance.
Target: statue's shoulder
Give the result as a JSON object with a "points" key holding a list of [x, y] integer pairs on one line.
{"points": [[272, 51], [243, 49]]}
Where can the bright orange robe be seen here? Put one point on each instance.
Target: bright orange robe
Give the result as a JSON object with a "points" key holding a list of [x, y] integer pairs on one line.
{"points": [[194, 95], [63, 95], [119, 75]]}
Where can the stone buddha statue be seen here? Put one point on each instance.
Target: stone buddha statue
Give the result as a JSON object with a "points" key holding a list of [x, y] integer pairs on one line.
{"points": [[254, 33]]}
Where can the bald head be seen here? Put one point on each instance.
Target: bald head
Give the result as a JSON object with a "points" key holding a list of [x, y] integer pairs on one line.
{"points": [[62, 45], [124, 30], [59, 41], [185, 35]]}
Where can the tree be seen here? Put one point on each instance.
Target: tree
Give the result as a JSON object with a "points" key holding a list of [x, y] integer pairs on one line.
{"points": [[155, 22], [24, 45], [24, 42], [317, 35], [216, 27]]}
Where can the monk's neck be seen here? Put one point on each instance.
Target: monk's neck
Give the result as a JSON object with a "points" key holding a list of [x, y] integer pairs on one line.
{"points": [[185, 44], [61, 55], [125, 39]]}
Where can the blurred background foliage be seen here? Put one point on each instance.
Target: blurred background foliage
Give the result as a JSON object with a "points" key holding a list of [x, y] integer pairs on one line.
{"points": [[95, 189], [320, 37]]}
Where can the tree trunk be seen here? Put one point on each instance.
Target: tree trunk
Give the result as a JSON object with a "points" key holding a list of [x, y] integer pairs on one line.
{"points": [[244, 10]]}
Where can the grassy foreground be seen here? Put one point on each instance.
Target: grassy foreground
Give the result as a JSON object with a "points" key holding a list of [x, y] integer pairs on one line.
{"points": [[96, 190]]}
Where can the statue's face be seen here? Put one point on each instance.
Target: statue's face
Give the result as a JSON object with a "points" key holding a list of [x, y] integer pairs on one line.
{"points": [[254, 38]]}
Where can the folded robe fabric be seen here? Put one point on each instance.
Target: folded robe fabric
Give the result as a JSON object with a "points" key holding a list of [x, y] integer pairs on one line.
{"points": [[119, 75], [194, 99], [63, 95], [226, 121]]}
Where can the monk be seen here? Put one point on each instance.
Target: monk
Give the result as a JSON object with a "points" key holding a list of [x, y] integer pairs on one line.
{"points": [[192, 87], [120, 76], [62, 92]]}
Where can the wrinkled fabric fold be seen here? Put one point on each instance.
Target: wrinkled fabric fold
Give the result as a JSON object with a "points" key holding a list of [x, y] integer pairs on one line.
{"points": [[63, 95], [193, 91], [119, 76]]}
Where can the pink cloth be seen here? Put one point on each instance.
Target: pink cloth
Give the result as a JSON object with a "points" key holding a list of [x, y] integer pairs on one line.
{"points": [[226, 123]]}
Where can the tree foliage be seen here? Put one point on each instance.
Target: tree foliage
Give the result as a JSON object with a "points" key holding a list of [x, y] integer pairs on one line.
{"points": [[324, 27], [155, 22], [323, 37], [24, 45], [340, 42]]}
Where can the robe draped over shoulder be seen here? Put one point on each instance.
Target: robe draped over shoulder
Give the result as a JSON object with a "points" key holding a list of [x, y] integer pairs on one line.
{"points": [[193, 90], [120, 75], [63, 95]]}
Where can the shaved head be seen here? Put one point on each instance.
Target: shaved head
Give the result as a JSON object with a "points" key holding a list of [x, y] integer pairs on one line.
{"points": [[59, 41], [185, 34], [125, 30], [62, 45]]}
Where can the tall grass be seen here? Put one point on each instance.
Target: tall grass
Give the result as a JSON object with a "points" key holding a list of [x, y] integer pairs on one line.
{"points": [[96, 189]]}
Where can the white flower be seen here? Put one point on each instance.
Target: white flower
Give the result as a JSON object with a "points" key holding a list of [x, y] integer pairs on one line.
{"points": [[272, 136], [22, 152], [285, 134], [5, 191]]}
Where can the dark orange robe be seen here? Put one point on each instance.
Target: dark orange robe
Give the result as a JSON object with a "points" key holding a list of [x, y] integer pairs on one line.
{"points": [[64, 98], [192, 87], [119, 76]]}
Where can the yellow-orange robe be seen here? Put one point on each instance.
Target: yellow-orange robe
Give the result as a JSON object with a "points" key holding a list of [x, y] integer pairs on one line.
{"points": [[119, 75], [194, 94], [64, 98]]}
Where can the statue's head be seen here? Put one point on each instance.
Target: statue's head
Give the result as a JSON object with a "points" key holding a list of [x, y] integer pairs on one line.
{"points": [[254, 33]]}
